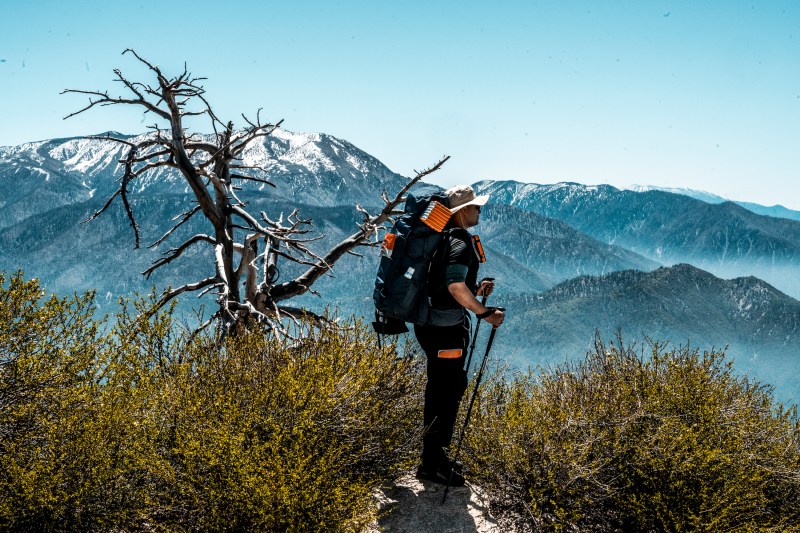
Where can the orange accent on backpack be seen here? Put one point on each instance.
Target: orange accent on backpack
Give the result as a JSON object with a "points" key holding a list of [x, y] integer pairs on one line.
{"points": [[479, 249], [449, 354], [388, 244], [436, 216]]}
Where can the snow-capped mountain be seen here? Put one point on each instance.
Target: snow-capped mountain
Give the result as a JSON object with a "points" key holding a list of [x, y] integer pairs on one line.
{"points": [[309, 168]]}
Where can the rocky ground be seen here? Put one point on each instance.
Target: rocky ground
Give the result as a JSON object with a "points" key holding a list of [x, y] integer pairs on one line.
{"points": [[411, 506]]}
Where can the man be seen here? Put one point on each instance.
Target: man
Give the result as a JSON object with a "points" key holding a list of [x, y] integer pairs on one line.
{"points": [[453, 288]]}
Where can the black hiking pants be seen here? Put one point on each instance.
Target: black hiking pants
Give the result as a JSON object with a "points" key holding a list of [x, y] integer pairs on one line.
{"points": [[446, 350]]}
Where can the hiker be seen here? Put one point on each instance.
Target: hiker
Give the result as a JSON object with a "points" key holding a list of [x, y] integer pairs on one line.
{"points": [[453, 287]]}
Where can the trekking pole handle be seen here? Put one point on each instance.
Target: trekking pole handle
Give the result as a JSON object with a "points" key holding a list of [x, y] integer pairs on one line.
{"points": [[503, 309], [484, 296], [479, 284]]}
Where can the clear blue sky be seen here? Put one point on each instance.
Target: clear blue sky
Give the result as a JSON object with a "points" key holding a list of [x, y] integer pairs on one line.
{"points": [[700, 94]]}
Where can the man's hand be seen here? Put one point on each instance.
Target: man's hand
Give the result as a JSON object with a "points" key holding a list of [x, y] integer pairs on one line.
{"points": [[496, 318], [485, 287]]}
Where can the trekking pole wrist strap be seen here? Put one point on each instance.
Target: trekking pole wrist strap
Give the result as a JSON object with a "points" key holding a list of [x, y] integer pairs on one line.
{"points": [[486, 314]]}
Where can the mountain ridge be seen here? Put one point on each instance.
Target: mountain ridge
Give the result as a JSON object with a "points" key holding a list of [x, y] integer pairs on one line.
{"points": [[725, 239], [681, 304], [311, 168], [777, 210]]}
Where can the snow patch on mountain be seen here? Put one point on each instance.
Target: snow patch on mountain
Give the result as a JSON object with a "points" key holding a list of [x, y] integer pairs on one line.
{"points": [[705, 196], [9, 153], [520, 193], [88, 156], [284, 151], [38, 170]]}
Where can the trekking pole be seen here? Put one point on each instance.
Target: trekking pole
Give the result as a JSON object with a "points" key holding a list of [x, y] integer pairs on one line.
{"points": [[469, 408], [475, 337], [478, 325]]}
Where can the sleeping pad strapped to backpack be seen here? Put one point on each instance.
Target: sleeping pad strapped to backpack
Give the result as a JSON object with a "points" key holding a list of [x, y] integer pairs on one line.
{"points": [[401, 291]]}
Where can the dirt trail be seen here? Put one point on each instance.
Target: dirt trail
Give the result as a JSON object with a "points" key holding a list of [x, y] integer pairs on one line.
{"points": [[410, 506]]}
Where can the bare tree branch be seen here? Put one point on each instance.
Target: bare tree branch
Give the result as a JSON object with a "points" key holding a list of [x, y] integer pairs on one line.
{"points": [[123, 193], [296, 286], [175, 253], [149, 156], [238, 144], [184, 217], [169, 294], [212, 167], [150, 166], [250, 178], [300, 313]]}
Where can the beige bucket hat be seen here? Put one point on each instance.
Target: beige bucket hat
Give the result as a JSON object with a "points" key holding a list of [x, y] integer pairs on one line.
{"points": [[463, 195]]}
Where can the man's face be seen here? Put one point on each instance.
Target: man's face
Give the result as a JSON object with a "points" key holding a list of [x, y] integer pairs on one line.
{"points": [[471, 215]]}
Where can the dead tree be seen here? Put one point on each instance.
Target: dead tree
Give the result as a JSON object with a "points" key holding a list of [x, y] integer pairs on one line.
{"points": [[244, 271]]}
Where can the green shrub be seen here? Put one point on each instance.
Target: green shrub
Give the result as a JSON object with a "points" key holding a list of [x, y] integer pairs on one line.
{"points": [[673, 441], [271, 438], [50, 358], [147, 428]]}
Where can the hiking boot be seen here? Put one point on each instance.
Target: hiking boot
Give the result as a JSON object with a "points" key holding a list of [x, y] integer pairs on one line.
{"points": [[457, 466], [441, 475], [446, 464]]}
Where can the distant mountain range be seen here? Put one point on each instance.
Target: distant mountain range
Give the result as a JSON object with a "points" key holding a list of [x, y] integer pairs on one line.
{"points": [[725, 239], [48, 187], [711, 198], [569, 259], [681, 304]]}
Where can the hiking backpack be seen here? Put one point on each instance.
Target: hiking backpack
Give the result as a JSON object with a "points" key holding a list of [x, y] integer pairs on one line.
{"points": [[401, 286]]}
